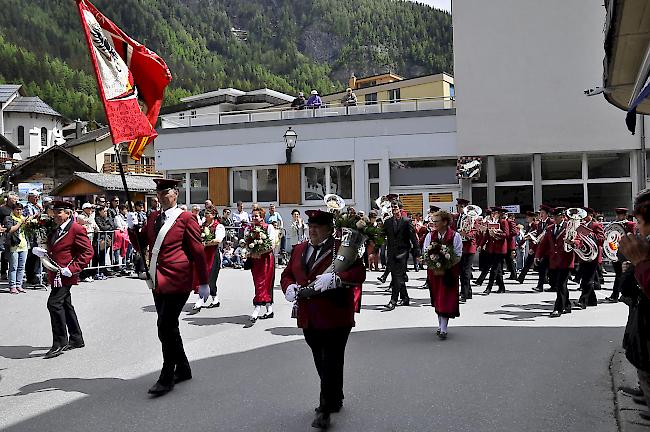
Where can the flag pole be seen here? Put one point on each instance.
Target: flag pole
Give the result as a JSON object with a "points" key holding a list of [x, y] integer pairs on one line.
{"points": [[131, 209]]}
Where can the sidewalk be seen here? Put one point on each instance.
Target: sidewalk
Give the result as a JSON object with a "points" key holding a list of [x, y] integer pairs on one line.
{"points": [[627, 411]]}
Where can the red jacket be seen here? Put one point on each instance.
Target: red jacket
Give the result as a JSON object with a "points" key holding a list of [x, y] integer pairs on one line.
{"points": [[498, 244], [421, 232], [180, 253], [469, 239], [553, 248], [513, 231], [72, 249], [331, 309]]}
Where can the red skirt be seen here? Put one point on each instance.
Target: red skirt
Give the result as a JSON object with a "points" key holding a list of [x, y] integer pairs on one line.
{"points": [[209, 261], [444, 297], [263, 271]]}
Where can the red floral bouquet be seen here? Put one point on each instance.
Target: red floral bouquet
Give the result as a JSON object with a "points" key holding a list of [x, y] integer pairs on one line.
{"points": [[39, 228], [258, 240], [440, 257]]}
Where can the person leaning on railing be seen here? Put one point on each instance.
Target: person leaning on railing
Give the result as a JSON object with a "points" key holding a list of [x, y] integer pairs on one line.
{"points": [[103, 241], [349, 99], [87, 220]]}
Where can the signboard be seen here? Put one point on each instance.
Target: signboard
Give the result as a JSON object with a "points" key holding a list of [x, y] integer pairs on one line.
{"points": [[443, 200], [468, 167], [515, 208], [412, 203], [24, 188]]}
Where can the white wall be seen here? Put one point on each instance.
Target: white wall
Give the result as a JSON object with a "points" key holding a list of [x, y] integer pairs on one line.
{"points": [[33, 123], [521, 67]]}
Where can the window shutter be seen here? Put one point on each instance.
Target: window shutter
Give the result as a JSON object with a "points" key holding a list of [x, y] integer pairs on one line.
{"points": [[218, 188], [289, 183]]}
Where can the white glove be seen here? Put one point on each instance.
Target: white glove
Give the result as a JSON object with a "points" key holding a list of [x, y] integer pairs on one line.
{"points": [[204, 291], [325, 282], [65, 271], [131, 220], [39, 251], [290, 295]]}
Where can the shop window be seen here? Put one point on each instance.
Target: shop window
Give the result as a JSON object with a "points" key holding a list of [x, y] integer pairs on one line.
{"points": [[561, 167], [267, 185], [182, 187], [242, 185], [513, 168], [423, 172], [199, 187], [605, 197], [321, 180], [514, 195], [608, 165], [255, 185], [564, 195]]}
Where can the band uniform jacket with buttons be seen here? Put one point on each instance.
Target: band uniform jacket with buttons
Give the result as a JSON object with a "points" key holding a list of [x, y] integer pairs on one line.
{"points": [[400, 239], [498, 243], [469, 239], [333, 308], [71, 249], [180, 253], [552, 246], [513, 231]]}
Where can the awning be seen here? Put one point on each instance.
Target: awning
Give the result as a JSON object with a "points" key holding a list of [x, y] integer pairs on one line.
{"points": [[627, 52]]}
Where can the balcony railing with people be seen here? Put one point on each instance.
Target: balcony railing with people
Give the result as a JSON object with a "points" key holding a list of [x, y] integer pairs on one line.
{"points": [[327, 109]]}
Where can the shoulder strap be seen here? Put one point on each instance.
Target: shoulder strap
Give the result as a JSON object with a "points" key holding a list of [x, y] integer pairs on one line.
{"points": [[169, 222]]}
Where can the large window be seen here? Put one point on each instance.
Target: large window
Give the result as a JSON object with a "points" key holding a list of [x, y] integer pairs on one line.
{"points": [[513, 168], [182, 187], [608, 165], [422, 172], [561, 167], [605, 197], [255, 185], [373, 184], [564, 195], [43, 137], [479, 196], [21, 135], [371, 98], [394, 95], [515, 195], [320, 180], [198, 187]]}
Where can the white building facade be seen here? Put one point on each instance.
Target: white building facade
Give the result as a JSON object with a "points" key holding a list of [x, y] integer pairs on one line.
{"points": [[521, 68]]}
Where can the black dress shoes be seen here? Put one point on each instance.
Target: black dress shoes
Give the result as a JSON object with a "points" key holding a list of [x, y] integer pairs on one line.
{"points": [[390, 305], [381, 279], [632, 391], [462, 299], [159, 389], [182, 376], [487, 292], [404, 302], [267, 316], [555, 314], [550, 290], [72, 346], [321, 420], [538, 289], [54, 352]]}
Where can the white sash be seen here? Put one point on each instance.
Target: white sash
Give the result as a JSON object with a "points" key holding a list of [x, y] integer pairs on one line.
{"points": [[169, 222]]}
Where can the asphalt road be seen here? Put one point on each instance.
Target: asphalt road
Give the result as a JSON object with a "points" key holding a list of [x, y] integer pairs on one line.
{"points": [[505, 367]]}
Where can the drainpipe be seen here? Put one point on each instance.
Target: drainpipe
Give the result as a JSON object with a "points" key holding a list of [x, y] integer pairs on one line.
{"points": [[644, 163]]}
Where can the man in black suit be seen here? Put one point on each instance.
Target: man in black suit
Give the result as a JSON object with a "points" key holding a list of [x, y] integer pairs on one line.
{"points": [[400, 242]]}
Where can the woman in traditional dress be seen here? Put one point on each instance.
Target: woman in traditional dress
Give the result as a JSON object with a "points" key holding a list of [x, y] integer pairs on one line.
{"points": [[262, 267], [212, 260], [443, 284]]}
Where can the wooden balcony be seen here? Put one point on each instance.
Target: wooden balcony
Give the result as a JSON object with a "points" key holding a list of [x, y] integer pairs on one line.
{"points": [[114, 168]]}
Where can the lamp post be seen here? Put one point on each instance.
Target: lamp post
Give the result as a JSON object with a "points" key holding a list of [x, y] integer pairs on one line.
{"points": [[290, 139], [7, 165]]}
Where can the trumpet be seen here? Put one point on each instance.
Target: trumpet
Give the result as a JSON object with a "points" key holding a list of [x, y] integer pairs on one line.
{"points": [[588, 250]]}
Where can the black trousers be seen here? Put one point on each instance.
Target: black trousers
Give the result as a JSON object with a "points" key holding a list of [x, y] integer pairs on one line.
{"points": [[510, 265], [328, 348], [31, 266], [169, 307], [588, 279], [618, 271], [397, 265], [542, 270], [559, 278], [416, 264], [466, 274], [214, 273], [496, 272], [483, 260], [63, 318], [528, 264]]}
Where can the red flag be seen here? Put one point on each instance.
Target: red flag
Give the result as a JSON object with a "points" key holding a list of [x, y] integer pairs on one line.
{"points": [[131, 79]]}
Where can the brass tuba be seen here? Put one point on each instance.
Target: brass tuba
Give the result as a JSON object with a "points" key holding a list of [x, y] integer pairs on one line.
{"points": [[383, 204], [334, 203], [468, 219], [588, 250], [613, 234]]}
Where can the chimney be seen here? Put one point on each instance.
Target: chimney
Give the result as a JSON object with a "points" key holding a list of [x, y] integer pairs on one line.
{"points": [[78, 128], [352, 83]]}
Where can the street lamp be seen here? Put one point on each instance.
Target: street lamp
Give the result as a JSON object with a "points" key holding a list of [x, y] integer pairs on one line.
{"points": [[290, 139]]}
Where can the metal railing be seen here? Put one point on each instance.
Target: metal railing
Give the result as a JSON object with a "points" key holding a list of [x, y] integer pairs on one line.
{"points": [[113, 167], [107, 254], [327, 109]]}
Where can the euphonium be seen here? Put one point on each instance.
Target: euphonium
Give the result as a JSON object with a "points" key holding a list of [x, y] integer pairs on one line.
{"points": [[588, 250], [613, 234], [468, 219], [334, 203]]}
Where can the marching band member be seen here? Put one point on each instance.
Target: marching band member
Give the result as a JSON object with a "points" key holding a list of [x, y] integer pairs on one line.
{"points": [[589, 269], [531, 221], [443, 289], [469, 250], [212, 260], [560, 262], [69, 247], [543, 222], [262, 269], [513, 231], [630, 228], [326, 318], [495, 239], [173, 238]]}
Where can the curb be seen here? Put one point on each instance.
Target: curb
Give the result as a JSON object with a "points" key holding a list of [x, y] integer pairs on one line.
{"points": [[627, 411]]}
